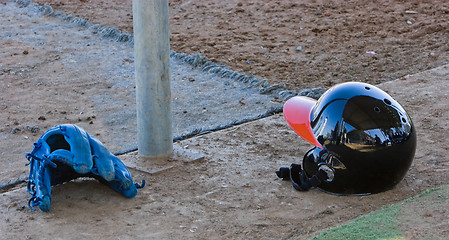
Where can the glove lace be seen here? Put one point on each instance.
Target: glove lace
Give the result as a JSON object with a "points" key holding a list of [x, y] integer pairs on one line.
{"points": [[138, 186], [31, 185]]}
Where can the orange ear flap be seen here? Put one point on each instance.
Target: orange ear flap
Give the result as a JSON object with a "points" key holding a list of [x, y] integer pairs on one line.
{"points": [[297, 114]]}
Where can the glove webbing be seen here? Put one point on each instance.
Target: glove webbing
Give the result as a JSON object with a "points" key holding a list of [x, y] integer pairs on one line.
{"points": [[31, 186], [34, 200]]}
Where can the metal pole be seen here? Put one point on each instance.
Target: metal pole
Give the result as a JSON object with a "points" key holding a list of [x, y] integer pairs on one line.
{"points": [[153, 96]]}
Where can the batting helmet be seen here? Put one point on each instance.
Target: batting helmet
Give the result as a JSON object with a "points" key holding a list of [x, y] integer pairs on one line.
{"points": [[364, 140]]}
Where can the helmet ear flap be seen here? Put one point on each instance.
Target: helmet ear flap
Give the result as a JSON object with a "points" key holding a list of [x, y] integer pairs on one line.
{"points": [[312, 159], [316, 175]]}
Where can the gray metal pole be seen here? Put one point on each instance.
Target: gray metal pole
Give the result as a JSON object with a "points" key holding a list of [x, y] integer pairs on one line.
{"points": [[152, 53]]}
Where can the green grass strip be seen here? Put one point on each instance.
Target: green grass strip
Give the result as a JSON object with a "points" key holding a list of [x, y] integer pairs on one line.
{"points": [[376, 225], [383, 224]]}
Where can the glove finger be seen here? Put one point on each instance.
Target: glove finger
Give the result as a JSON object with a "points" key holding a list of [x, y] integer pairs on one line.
{"points": [[123, 182], [79, 146], [66, 138], [103, 159], [104, 168], [80, 165], [120, 180]]}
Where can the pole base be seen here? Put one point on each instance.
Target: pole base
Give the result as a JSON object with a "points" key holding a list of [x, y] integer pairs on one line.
{"points": [[155, 165]]}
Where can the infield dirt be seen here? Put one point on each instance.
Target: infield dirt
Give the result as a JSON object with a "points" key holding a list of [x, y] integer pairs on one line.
{"points": [[233, 192]]}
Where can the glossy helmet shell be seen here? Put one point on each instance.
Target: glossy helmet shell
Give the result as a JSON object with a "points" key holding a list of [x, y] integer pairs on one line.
{"points": [[361, 132]]}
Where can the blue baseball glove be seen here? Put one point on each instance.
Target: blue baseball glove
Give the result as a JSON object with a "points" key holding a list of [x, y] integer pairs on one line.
{"points": [[66, 152]]}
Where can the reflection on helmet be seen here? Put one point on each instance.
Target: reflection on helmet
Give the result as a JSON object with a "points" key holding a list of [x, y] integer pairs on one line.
{"points": [[367, 139]]}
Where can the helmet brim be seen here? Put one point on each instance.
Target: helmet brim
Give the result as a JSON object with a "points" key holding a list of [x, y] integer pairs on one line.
{"points": [[297, 112]]}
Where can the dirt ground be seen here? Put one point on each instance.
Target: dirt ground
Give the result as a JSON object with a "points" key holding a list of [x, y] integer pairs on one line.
{"points": [[300, 43], [233, 192]]}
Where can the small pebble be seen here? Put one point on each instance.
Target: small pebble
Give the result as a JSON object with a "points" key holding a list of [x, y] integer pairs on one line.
{"points": [[411, 12], [15, 130]]}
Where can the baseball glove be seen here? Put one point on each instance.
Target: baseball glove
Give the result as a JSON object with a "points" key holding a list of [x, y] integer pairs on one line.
{"points": [[66, 152]]}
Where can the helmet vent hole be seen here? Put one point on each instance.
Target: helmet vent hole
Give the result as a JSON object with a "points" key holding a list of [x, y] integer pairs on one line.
{"points": [[377, 109], [403, 120], [387, 101], [367, 88]]}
